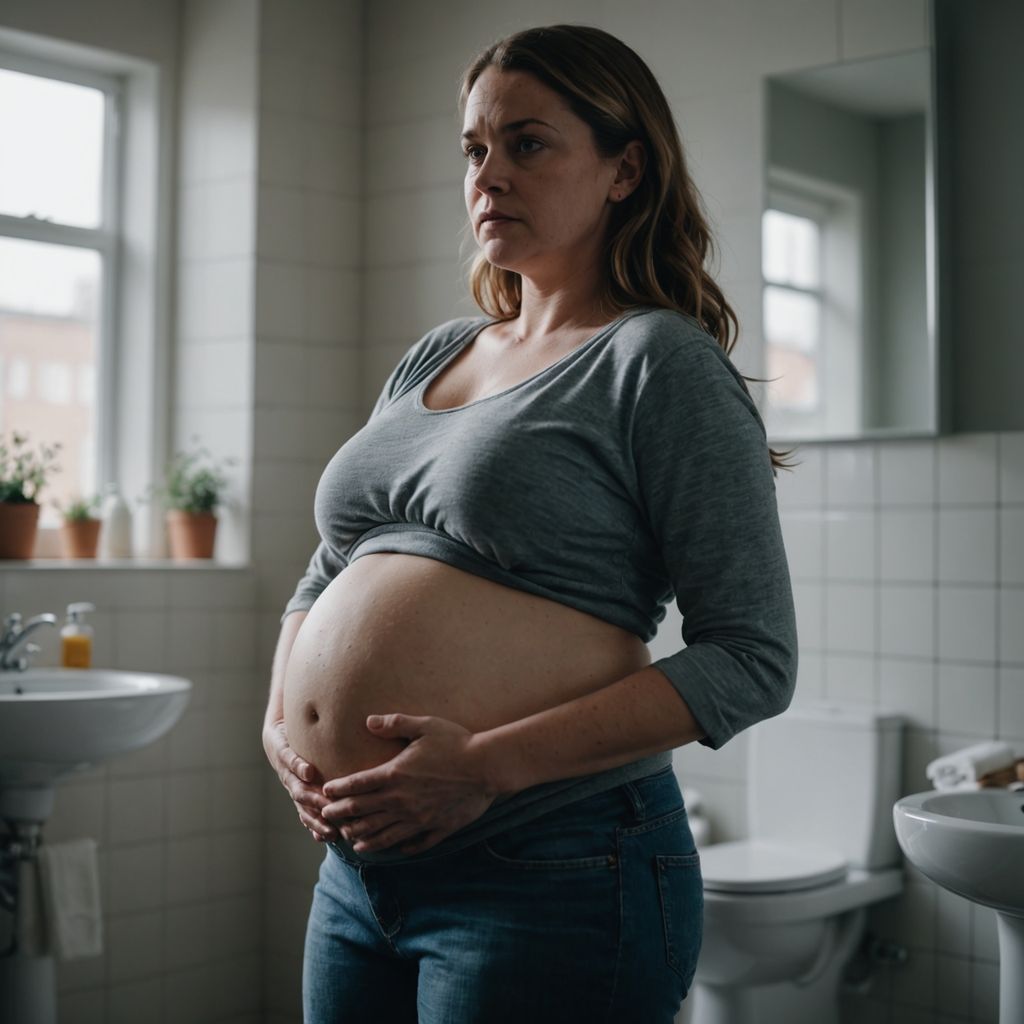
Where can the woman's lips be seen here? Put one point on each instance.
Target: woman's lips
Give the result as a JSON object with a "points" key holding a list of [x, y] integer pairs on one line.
{"points": [[497, 222]]}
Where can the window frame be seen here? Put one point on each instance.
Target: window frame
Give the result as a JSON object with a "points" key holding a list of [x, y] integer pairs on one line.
{"points": [[144, 311], [839, 213], [799, 204], [105, 239]]}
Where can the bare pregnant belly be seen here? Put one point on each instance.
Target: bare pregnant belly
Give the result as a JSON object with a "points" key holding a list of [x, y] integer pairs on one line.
{"points": [[401, 633]]}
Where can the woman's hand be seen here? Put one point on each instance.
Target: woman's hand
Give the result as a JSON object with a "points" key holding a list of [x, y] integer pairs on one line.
{"points": [[434, 787], [302, 781]]}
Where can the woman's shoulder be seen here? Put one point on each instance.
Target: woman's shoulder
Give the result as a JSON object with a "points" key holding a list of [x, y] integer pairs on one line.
{"points": [[680, 364], [437, 341], [439, 338], [457, 326], [660, 337], [423, 354]]}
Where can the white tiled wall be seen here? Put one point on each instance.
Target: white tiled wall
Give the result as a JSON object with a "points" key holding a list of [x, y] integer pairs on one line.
{"points": [[911, 599], [215, 277], [308, 279], [307, 367]]}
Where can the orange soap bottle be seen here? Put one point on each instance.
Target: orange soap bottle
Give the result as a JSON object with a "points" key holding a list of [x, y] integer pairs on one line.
{"points": [[76, 637]]}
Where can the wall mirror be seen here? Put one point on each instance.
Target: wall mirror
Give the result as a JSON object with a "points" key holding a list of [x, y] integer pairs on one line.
{"points": [[848, 252]]}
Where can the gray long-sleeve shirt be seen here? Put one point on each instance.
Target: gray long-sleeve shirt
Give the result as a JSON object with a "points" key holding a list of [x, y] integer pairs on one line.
{"points": [[633, 469]]}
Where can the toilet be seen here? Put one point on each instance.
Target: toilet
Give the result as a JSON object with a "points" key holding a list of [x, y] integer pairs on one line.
{"points": [[785, 909]]}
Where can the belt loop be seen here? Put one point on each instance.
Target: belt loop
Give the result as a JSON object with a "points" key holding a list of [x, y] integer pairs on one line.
{"points": [[634, 797]]}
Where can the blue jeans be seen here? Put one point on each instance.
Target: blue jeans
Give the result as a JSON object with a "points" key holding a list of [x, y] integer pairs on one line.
{"points": [[589, 913]]}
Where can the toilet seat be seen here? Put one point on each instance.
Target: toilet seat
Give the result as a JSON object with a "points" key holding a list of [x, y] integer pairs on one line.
{"points": [[758, 866]]}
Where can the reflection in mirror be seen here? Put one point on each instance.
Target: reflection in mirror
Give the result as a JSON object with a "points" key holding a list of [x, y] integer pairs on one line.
{"points": [[848, 252]]}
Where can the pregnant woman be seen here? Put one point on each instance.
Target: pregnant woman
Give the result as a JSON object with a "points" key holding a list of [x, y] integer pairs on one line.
{"points": [[463, 706]]}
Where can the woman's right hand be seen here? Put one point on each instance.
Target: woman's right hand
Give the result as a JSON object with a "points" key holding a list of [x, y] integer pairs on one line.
{"points": [[301, 779]]}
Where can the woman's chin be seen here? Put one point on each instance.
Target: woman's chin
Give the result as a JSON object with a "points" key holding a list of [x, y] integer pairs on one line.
{"points": [[502, 255]]}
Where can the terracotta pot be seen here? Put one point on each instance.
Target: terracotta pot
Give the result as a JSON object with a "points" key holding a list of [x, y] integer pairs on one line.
{"points": [[18, 523], [191, 534], [79, 538]]}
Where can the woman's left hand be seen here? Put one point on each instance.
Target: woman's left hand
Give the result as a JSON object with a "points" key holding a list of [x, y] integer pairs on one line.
{"points": [[434, 787]]}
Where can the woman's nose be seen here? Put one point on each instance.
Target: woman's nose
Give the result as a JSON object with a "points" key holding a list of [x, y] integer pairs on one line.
{"points": [[492, 174]]}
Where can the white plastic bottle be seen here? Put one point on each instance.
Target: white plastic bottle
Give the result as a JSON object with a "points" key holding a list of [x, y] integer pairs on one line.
{"points": [[116, 532]]}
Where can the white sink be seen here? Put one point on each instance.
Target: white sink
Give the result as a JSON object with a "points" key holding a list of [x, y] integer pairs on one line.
{"points": [[54, 722], [972, 843], [57, 721]]}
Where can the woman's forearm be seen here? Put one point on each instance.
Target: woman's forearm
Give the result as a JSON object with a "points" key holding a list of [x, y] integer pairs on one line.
{"points": [[285, 639], [635, 717]]}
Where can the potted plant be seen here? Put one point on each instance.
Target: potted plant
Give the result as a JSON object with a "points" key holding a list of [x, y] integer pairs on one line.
{"points": [[193, 489], [23, 474], [80, 529]]}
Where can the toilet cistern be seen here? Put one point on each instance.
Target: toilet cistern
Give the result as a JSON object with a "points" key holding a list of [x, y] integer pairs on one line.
{"points": [[785, 908]]}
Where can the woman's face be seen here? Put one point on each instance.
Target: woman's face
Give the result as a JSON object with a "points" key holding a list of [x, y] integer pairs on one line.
{"points": [[537, 190]]}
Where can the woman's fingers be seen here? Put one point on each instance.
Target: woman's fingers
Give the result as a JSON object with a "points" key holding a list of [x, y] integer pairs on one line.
{"points": [[303, 794], [387, 837], [303, 769], [372, 824], [299, 778], [316, 824], [341, 809], [288, 759]]}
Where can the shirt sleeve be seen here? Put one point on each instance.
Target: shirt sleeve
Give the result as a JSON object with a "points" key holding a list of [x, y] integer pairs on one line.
{"points": [[322, 568], [705, 478]]}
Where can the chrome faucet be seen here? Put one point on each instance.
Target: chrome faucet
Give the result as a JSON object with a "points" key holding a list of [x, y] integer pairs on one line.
{"points": [[15, 634]]}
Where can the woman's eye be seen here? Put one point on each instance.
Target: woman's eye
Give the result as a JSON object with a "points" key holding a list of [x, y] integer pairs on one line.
{"points": [[529, 145], [524, 146]]}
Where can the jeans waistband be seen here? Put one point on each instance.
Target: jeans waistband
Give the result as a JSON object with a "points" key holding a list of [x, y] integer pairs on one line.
{"points": [[531, 803]]}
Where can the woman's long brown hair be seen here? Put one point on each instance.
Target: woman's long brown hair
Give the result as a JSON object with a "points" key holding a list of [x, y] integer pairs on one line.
{"points": [[659, 241]]}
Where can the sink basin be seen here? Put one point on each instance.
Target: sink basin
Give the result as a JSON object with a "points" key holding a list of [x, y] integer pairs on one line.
{"points": [[972, 843], [56, 721]]}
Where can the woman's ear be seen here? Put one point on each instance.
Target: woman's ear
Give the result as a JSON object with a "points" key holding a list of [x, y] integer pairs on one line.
{"points": [[629, 172]]}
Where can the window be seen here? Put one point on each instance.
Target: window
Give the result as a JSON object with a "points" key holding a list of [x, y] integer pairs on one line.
{"points": [[812, 254], [791, 267], [58, 264]]}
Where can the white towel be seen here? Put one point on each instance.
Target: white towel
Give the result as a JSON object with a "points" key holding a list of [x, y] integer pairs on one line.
{"points": [[71, 897], [954, 771]]}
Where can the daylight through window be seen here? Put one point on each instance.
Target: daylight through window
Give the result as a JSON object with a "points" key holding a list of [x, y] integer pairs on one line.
{"points": [[56, 246]]}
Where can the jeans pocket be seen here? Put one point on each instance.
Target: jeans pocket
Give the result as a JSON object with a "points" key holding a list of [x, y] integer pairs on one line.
{"points": [[681, 890], [546, 844], [534, 853]]}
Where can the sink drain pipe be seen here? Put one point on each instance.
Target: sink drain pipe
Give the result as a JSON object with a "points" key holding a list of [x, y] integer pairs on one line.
{"points": [[28, 973]]}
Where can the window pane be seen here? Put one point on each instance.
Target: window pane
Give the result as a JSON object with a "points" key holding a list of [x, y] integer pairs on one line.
{"points": [[49, 324], [791, 318], [52, 149], [790, 249], [793, 379]]}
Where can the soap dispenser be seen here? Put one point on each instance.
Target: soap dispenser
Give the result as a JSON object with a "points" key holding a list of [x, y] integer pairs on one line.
{"points": [[76, 637]]}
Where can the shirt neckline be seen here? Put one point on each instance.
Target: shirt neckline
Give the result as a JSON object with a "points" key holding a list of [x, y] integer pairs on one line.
{"points": [[569, 356]]}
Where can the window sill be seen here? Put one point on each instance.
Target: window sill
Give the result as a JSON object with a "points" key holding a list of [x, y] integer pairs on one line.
{"points": [[121, 565]]}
